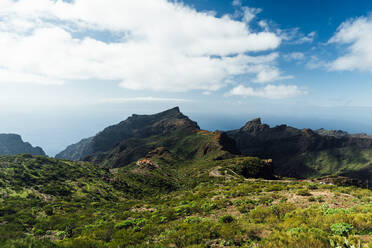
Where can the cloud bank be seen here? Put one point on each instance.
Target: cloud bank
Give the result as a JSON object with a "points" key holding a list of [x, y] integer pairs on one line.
{"points": [[157, 45]]}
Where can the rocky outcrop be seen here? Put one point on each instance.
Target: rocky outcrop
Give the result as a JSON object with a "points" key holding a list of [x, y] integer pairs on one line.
{"points": [[334, 133], [12, 144]]}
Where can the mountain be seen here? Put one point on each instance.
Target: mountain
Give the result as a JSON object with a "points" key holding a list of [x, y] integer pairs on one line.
{"points": [[140, 135], [160, 181], [165, 151], [306, 153], [11, 144], [135, 127], [171, 139], [77, 151]]}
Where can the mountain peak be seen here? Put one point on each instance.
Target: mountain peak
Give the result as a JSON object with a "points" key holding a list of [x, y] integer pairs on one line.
{"points": [[256, 121], [254, 126], [135, 127], [173, 110]]}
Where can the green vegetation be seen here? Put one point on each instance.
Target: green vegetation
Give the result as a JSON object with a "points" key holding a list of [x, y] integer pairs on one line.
{"points": [[54, 203], [349, 161]]}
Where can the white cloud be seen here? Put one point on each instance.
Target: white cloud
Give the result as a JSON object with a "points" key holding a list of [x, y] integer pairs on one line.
{"points": [[263, 24], [356, 34], [249, 13], [269, 75], [309, 38], [294, 56], [164, 46], [295, 36], [269, 91], [315, 62]]}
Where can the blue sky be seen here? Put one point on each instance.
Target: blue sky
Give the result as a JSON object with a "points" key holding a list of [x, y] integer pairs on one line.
{"points": [[70, 68]]}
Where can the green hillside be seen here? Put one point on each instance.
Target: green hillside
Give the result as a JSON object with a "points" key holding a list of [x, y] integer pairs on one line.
{"points": [[209, 203]]}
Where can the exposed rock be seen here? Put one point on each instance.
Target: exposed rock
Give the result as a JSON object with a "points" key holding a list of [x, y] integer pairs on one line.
{"points": [[334, 133], [146, 164], [254, 126]]}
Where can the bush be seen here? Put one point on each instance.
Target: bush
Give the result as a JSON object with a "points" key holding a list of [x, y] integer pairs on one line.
{"points": [[312, 186], [342, 229], [192, 219], [260, 214], [226, 219], [303, 192], [124, 224]]}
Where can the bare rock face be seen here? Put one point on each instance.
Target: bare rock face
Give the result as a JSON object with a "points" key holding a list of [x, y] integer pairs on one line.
{"points": [[12, 144], [254, 127]]}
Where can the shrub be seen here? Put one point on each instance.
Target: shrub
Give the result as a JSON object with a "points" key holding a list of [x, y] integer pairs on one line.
{"points": [[226, 219], [341, 229], [192, 219], [124, 224], [303, 192], [312, 186], [259, 214]]}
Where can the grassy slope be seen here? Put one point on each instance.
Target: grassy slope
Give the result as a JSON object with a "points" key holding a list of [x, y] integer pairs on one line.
{"points": [[53, 203], [339, 161]]}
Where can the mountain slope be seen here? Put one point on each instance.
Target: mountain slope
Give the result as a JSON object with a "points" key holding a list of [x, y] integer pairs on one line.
{"points": [[306, 153], [135, 127], [142, 135], [77, 151], [11, 144]]}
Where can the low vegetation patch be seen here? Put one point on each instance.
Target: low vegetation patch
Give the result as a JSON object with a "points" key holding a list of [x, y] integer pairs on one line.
{"points": [[54, 203]]}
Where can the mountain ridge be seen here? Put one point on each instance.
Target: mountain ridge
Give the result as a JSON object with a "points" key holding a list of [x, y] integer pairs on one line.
{"points": [[12, 144], [304, 152], [299, 153]]}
